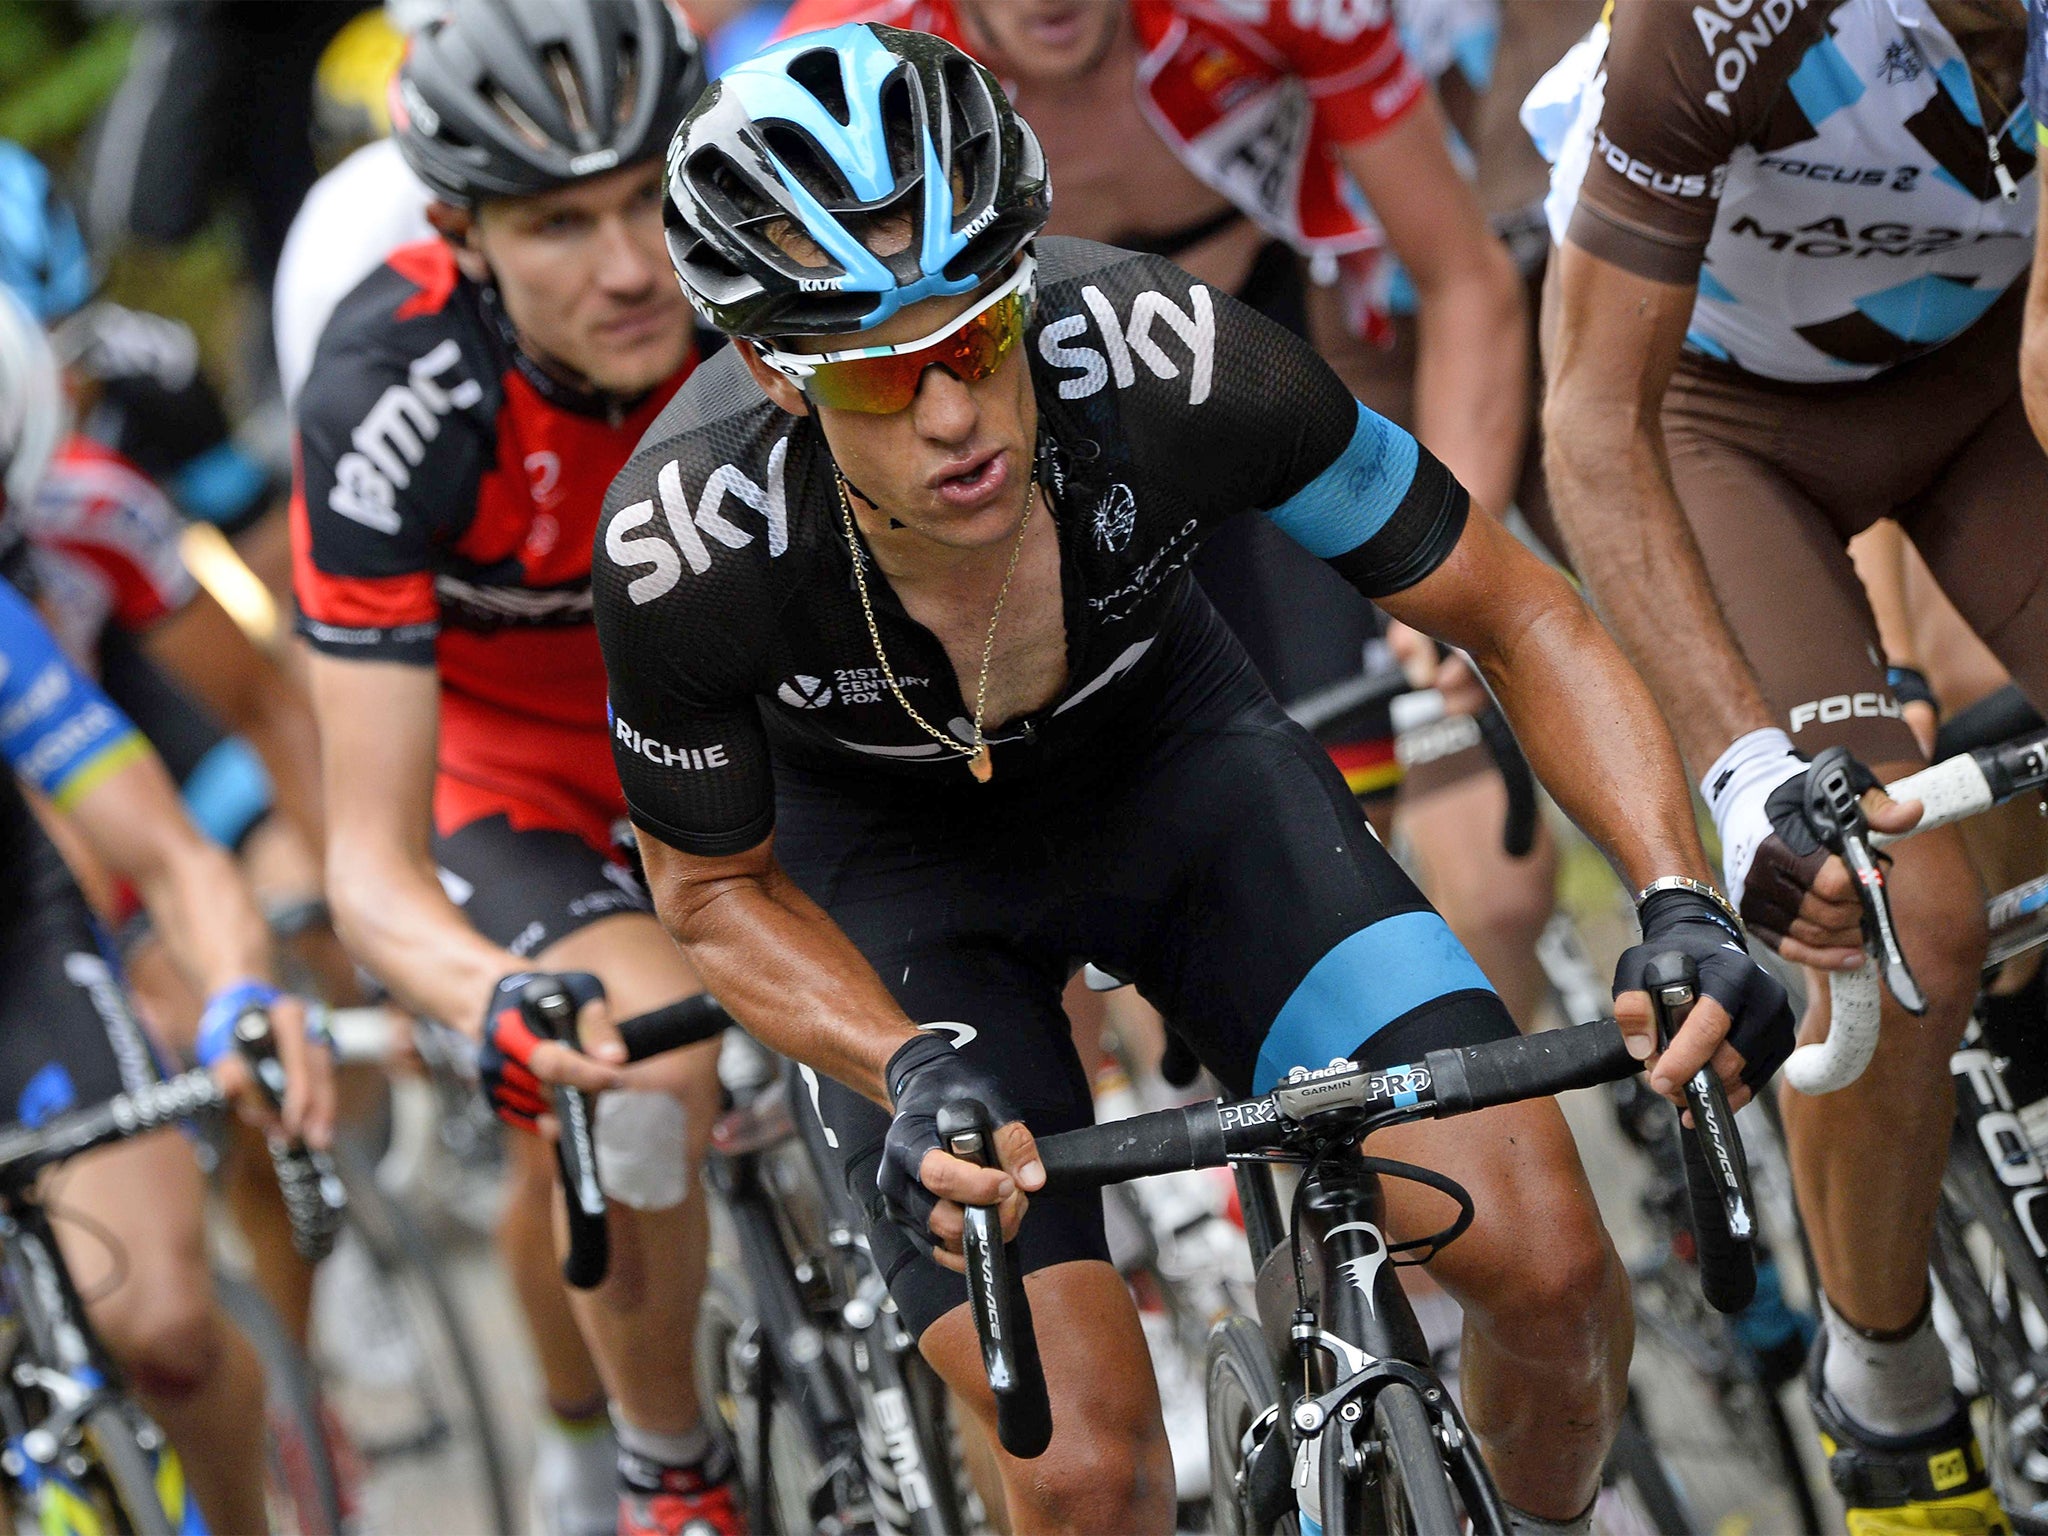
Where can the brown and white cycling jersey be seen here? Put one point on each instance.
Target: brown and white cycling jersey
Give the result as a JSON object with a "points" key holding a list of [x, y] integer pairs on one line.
{"points": [[1848, 185]]}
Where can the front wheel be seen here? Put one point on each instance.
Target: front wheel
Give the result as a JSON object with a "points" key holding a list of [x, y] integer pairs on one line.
{"points": [[1414, 1489], [1242, 1387], [128, 1474]]}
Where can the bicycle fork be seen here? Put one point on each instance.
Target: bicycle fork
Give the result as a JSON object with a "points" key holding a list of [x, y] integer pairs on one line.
{"points": [[1363, 1337], [63, 1365]]}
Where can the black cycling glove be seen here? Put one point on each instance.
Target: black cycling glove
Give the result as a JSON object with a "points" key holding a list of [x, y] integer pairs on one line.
{"points": [[923, 1077], [1788, 859], [1762, 1027], [504, 1061]]}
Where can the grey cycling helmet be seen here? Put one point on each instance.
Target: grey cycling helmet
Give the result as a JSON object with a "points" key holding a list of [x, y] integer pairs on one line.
{"points": [[778, 176], [506, 98]]}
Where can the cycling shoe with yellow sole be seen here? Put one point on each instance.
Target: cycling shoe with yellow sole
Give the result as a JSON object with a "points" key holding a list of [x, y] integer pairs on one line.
{"points": [[1905, 1485]]}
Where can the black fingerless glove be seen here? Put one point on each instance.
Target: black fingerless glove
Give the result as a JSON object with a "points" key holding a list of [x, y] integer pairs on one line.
{"points": [[923, 1077], [1790, 857], [1762, 1027]]}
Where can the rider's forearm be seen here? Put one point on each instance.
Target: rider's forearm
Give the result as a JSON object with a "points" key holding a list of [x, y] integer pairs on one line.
{"points": [[778, 963], [1632, 547], [395, 919], [200, 906], [1472, 375], [1592, 733], [2034, 343]]}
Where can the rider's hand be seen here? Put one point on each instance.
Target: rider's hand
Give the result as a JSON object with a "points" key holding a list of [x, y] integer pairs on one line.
{"points": [[1429, 665], [924, 1186], [1742, 1023], [1794, 895], [515, 1059], [1918, 705], [305, 1053]]}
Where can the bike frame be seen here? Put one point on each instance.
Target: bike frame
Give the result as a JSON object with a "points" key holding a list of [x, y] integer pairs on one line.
{"points": [[906, 1479], [1361, 1336]]}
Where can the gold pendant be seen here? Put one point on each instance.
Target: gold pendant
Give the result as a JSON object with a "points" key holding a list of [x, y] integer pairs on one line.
{"points": [[980, 764]]}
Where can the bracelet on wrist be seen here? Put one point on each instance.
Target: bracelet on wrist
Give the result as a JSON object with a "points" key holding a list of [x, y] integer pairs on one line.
{"points": [[217, 1023], [1698, 888]]}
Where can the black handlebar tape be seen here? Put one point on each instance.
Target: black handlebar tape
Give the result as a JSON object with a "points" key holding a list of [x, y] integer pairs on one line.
{"points": [[995, 1291], [552, 1012], [1518, 833], [2015, 766], [315, 1199], [1470, 1077], [1727, 1263], [1165, 1141], [681, 1023]]}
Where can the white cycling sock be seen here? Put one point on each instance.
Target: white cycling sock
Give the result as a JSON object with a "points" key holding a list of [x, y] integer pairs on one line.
{"points": [[575, 1489], [650, 1449], [1522, 1523], [1896, 1386]]}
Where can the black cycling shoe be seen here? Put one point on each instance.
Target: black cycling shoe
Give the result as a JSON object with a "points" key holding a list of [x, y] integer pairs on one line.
{"points": [[1904, 1485]]}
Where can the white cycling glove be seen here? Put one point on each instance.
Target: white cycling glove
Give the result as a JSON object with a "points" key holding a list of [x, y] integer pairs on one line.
{"points": [[1737, 788]]}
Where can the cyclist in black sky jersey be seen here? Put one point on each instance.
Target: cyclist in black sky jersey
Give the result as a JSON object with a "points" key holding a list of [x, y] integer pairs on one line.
{"points": [[915, 706]]}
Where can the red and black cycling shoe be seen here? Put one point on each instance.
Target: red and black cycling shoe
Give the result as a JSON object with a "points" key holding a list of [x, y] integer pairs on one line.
{"points": [[692, 1501]]}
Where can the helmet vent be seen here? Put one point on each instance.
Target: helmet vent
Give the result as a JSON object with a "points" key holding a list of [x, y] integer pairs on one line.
{"points": [[901, 119], [516, 116], [626, 94], [806, 166], [561, 74], [817, 71]]}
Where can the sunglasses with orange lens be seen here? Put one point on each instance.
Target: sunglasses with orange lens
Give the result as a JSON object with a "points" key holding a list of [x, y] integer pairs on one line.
{"points": [[879, 381]]}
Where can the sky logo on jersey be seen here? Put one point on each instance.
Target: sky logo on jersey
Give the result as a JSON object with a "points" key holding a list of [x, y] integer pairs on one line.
{"points": [[688, 527], [1124, 345]]}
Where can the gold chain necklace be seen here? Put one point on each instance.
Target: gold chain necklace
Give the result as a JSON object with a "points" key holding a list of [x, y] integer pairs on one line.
{"points": [[979, 762]]}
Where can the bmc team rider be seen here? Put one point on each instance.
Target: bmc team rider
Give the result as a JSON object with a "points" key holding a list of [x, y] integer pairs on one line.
{"points": [[466, 406], [67, 1036], [1788, 303], [916, 703], [1238, 141]]}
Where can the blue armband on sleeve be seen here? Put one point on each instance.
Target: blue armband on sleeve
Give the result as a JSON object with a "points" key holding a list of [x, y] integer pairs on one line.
{"points": [[1356, 496], [57, 729], [1385, 512]]}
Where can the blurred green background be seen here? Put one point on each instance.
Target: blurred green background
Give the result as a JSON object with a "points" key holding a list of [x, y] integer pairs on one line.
{"points": [[59, 64]]}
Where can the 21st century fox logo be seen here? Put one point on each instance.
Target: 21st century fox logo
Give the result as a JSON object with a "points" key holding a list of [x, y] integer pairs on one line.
{"points": [[802, 692]]}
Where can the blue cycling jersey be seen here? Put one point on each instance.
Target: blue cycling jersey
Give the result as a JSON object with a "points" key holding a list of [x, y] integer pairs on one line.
{"points": [[58, 731]]}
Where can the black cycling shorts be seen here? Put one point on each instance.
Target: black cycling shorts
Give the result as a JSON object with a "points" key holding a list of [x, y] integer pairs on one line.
{"points": [[526, 889], [67, 1037], [1222, 863]]}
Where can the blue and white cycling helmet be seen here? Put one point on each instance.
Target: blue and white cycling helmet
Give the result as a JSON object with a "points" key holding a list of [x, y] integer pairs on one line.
{"points": [[43, 259], [826, 136]]}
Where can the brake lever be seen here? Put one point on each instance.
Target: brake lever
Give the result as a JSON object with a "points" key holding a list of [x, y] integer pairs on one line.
{"points": [[1836, 813], [1673, 990], [589, 1255]]}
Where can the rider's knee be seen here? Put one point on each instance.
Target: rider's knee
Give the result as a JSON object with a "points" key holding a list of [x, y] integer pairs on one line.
{"points": [[1942, 928], [1118, 1476], [170, 1341], [1565, 1291]]}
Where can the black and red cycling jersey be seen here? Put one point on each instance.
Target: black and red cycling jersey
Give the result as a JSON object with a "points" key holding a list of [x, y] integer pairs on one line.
{"points": [[444, 504]]}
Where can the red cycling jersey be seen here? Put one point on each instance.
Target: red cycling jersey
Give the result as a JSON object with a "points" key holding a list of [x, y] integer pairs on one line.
{"points": [[443, 510], [106, 546], [1254, 96]]}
